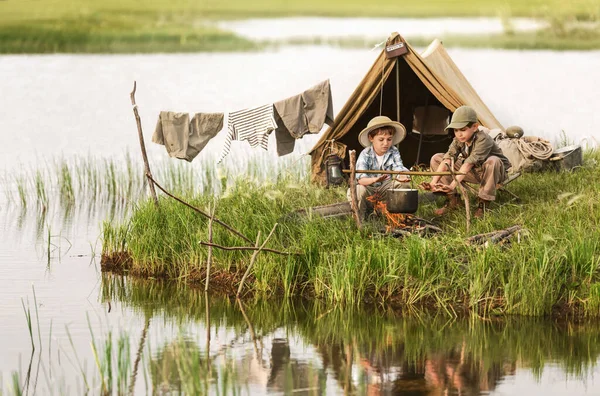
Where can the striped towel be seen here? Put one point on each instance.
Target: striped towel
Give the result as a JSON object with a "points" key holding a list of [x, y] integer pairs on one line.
{"points": [[253, 125]]}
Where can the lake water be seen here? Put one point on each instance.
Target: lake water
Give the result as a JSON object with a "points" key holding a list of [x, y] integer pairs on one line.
{"points": [[310, 28], [78, 105]]}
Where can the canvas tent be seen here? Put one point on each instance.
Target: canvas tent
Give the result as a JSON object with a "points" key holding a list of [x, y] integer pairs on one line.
{"points": [[415, 89]]}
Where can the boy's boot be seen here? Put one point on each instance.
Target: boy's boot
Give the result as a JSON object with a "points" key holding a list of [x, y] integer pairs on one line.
{"points": [[452, 202], [481, 208]]}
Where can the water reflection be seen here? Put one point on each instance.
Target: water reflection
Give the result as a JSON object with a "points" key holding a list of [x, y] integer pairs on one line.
{"points": [[286, 346]]}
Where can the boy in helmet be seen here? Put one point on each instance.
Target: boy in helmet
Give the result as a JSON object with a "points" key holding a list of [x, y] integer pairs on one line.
{"points": [[475, 155], [379, 138]]}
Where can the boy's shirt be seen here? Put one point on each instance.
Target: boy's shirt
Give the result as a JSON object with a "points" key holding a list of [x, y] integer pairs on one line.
{"points": [[481, 148], [367, 161]]}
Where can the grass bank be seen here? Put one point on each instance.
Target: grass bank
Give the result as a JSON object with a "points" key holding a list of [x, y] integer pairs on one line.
{"points": [[555, 268], [183, 26]]}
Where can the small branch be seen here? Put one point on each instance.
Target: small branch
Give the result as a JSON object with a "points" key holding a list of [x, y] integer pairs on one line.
{"points": [[138, 356], [354, 199], [229, 228], [142, 144], [494, 236], [253, 259], [465, 196], [249, 248], [210, 239]]}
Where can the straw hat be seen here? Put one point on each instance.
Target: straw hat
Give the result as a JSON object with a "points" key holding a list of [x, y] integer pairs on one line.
{"points": [[378, 122]]}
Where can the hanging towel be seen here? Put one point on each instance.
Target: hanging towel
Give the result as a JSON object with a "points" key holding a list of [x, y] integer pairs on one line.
{"points": [[173, 130], [253, 125], [302, 114], [204, 126]]}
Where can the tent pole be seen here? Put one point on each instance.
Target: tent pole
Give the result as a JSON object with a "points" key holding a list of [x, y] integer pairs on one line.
{"points": [[422, 131], [397, 90]]}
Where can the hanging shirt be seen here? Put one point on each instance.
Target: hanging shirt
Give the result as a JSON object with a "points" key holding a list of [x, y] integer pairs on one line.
{"points": [[301, 114], [253, 125]]}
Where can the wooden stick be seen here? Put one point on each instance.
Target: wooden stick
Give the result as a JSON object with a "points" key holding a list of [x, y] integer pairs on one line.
{"points": [[354, 200], [138, 356], [229, 228], [408, 173], [465, 197], [207, 319], [494, 236], [142, 145], [249, 248], [251, 330], [210, 239], [253, 259]]}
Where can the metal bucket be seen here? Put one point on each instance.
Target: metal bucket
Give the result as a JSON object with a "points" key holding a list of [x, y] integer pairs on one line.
{"points": [[568, 157], [402, 200]]}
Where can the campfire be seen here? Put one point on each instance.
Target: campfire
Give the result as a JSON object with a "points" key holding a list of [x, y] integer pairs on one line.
{"points": [[400, 224]]}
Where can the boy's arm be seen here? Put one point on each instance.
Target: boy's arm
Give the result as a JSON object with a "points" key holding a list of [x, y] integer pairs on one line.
{"points": [[445, 164], [398, 165], [363, 178]]}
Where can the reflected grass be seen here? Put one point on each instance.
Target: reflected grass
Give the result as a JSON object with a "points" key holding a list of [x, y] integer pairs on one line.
{"points": [[342, 347]]}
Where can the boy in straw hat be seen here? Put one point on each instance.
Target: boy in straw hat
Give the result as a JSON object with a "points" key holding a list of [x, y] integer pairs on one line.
{"points": [[476, 155], [379, 139]]}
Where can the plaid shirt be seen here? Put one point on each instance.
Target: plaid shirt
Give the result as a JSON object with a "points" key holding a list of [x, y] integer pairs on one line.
{"points": [[367, 161]]}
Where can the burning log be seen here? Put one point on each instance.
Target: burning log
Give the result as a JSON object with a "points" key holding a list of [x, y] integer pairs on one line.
{"points": [[401, 224]]}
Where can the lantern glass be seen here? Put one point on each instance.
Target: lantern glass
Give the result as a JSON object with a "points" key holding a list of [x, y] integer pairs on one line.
{"points": [[335, 176]]}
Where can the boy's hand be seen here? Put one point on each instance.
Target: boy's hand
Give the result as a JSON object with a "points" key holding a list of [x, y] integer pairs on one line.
{"points": [[442, 188], [382, 178], [425, 186], [403, 179]]}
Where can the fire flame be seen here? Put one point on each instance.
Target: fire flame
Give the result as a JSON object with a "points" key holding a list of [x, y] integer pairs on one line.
{"points": [[393, 220]]}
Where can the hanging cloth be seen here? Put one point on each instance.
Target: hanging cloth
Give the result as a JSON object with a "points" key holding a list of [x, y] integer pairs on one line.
{"points": [[173, 130], [301, 114], [184, 139], [253, 125], [204, 126]]}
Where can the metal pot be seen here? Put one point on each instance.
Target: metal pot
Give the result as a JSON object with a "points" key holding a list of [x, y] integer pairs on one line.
{"points": [[402, 200]]}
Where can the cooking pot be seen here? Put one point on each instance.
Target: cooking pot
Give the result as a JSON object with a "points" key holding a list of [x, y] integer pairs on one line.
{"points": [[402, 200]]}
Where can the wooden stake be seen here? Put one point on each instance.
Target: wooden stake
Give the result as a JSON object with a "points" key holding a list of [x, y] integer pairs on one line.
{"points": [[210, 239], [138, 356], [142, 145], [253, 259], [465, 197], [354, 200], [207, 319]]}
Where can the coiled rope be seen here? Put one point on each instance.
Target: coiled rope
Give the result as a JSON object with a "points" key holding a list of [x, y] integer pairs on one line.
{"points": [[540, 149]]}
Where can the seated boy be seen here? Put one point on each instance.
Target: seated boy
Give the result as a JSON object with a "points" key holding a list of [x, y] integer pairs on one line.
{"points": [[476, 155], [379, 139]]}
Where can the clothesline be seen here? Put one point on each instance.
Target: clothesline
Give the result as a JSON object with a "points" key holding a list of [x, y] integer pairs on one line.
{"points": [[290, 118]]}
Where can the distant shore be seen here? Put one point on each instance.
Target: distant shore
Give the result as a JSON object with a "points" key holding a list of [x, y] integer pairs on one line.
{"points": [[177, 26]]}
